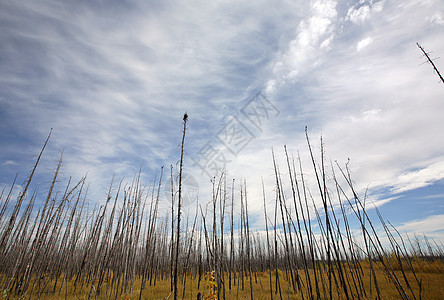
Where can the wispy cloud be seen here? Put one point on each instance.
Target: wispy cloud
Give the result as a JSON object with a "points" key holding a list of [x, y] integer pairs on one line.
{"points": [[363, 11], [114, 80], [431, 226], [10, 163], [437, 18], [363, 43], [314, 33]]}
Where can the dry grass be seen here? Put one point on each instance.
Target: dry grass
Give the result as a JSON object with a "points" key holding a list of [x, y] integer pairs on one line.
{"points": [[430, 274]]}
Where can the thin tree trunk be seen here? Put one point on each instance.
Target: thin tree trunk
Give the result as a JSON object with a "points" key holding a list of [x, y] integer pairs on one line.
{"points": [[179, 207]]}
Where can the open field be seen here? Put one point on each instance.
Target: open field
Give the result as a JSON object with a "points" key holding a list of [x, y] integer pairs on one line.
{"points": [[126, 249], [431, 277]]}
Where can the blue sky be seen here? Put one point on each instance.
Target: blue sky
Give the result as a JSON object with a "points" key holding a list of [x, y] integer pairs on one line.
{"points": [[113, 80]]}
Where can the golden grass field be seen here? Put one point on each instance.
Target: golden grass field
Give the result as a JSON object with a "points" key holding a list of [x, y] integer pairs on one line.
{"points": [[430, 274]]}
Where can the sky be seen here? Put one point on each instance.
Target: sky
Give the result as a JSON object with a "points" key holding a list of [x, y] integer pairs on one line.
{"points": [[113, 80]]}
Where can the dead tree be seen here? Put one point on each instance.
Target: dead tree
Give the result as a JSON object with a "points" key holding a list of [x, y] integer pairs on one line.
{"points": [[430, 61], [185, 118]]}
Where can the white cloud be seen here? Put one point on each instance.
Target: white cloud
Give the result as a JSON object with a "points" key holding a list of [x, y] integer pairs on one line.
{"points": [[363, 11], [363, 43], [431, 226], [437, 18], [10, 163], [379, 202], [314, 33], [378, 6], [370, 106], [359, 15], [419, 178]]}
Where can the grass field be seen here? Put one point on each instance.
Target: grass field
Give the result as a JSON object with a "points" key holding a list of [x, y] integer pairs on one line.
{"points": [[429, 273]]}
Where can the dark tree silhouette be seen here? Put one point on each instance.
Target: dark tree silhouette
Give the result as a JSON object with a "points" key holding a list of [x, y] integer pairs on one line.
{"points": [[430, 61]]}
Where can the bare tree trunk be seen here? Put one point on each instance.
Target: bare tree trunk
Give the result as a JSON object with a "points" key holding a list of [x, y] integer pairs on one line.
{"points": [[232, 252], [248, 240], [268, 241], [179, 207], [222, 202], [430, 61], [172, 231]]}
